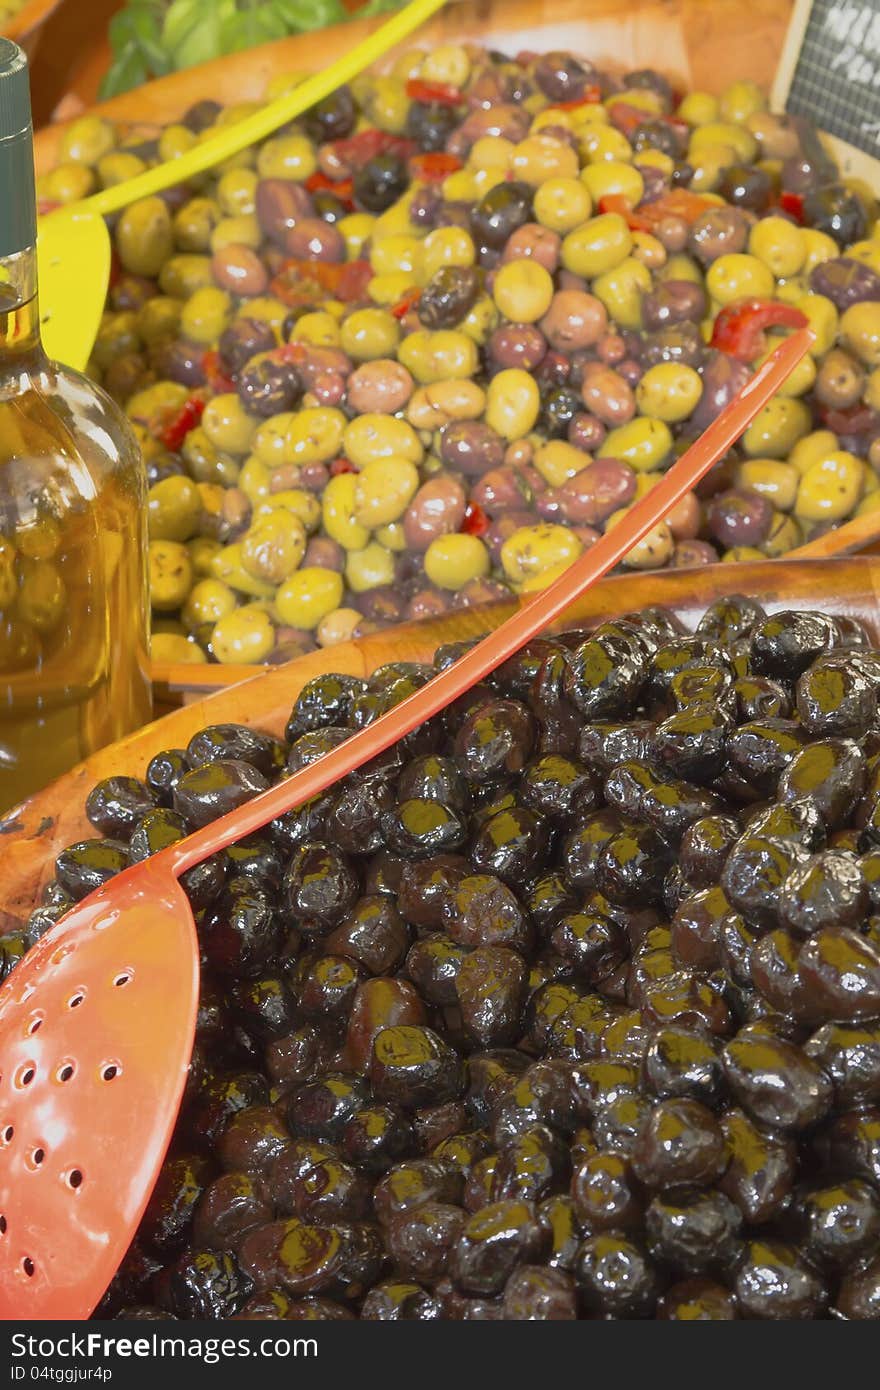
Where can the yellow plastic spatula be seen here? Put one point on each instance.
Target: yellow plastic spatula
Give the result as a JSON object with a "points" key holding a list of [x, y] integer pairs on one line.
{"points": [[73, 244]]}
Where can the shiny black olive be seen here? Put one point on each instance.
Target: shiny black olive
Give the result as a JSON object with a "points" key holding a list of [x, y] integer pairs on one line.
{"points": [[380, 181]]}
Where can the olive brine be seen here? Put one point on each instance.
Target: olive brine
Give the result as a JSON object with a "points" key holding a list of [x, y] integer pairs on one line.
{"points": [[566, 1007]]}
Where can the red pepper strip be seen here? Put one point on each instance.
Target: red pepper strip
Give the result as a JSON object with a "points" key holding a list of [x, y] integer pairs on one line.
{"points": [[739, 328], [591, 96], [438, 93], [475, 522], [172, 434], [341, 465], [320, 183], [217, 379], [433, 168], [793, 204], [615, 202], [408, 301], [300, 281], [356, 149], [678, 202]]}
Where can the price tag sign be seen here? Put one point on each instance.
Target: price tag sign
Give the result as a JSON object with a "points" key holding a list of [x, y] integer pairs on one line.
{"points": [[829, 72]]}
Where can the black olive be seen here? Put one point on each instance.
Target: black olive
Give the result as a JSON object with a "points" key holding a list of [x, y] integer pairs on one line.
{"points": [[500, 212], [380, 181]]}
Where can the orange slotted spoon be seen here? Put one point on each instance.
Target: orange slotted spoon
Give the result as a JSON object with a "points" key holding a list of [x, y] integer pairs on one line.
{"points": [[97, 1022]]}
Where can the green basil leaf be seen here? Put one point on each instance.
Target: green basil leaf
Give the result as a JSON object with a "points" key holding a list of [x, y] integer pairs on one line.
{"points": [[302, 16], [126, 72]]}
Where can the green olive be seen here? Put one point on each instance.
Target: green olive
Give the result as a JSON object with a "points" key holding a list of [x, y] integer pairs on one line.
{"points": [[304, 505], [669, 391], [643, 443], [87, 139], [442, 356], [171, 575], [454, 560], [371, 567], [287, 157], [173, 649], [776, 481], [308, 597], [158, 318], [183, 274], [237, 191], [534, 549], [384, 490], [270, 441], [373, 436], [776, 429], [779, 244], [173, 509], [194, 223], [243, 637], [227, 566], [513, 402], [621, 290], [599, 244], [273, 547], [831, 488], [736, 276], [206, 314], [368, 334], [117, 335], [228, 425], [144, 236], [337, 513], [314, 435], [42, 594], [207, 602], [860, 332]]}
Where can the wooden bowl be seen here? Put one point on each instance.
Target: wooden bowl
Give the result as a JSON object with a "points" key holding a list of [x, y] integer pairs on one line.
{"points": [[33, 833], [26, 26], [704, 43]]}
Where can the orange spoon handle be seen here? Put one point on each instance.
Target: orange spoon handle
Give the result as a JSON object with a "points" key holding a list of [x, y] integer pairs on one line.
{"points": [[527, 623]]}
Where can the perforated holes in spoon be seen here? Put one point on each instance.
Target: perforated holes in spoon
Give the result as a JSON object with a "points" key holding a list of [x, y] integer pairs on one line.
{"points": [[88, 1099]]}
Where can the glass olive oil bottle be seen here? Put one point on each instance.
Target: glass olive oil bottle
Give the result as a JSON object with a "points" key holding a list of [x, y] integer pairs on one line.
{"points": [[73, 576]]}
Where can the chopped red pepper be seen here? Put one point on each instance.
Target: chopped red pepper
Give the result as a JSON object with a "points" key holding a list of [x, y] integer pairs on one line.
{"points": [[357, 149], [793, 204], [341, 465], [475, 522], [591, 96], [434, 167], [306, 282], [678, 202], [739, 328], [343, 189], [173, 432], [408, 301], [217, 379], [437, 93]]}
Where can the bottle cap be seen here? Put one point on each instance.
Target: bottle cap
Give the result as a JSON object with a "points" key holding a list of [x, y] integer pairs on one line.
{"points": [[18, 211]]}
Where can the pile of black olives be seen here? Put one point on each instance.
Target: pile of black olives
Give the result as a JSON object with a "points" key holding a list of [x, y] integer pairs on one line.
{"points": [[567, 1007]]}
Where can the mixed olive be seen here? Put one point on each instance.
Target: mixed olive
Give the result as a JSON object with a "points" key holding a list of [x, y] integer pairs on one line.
{"points": [[421, 347], [566, 1007]]}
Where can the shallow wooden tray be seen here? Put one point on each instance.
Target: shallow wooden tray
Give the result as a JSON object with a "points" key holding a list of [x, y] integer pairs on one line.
{"points": [[704, 43], [25, 27], [32, 835]]}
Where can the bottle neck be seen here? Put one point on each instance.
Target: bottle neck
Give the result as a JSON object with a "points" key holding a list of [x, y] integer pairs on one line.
{"points": [[20, 347]]}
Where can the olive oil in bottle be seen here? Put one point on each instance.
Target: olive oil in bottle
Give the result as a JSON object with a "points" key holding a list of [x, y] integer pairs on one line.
{"points": [[74, 603]]}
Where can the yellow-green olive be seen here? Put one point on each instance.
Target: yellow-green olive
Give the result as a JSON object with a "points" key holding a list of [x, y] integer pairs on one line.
{"points": [[371, 567], [194, 223], [254, 479], [87, 139], [740, 100], [237, 191], [736, 276], [442, 356], [779, 244], [785, 534], [533, 549], [811, 448], [374, 436], [144, 236], [384, 490], [669, 391], [613, 177], [270, 440], [287, 157], [776, 429], [308, 596], [597, 245], [170, 575], [831, 488], [337, 513], [42, 594], [244, 637], [653, 551], [173, 649], [320, 328], [205, 315], [338, 626], [183, 274], [643, 443], [368, 334], [540, 157], [770, 478], [304, 505], [557, 461], [227, 565], [227, 424], [314, 435], [273, 546], [513, 402], [173, 509], [523, 290], [431, 407], [202, 550], [860, 332], [621, 290], [741, 140], [562, 204], [454, 560], [207, 602]]}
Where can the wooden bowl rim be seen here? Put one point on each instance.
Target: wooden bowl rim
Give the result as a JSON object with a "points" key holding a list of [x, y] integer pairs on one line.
{"points": [[30, 17]]}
